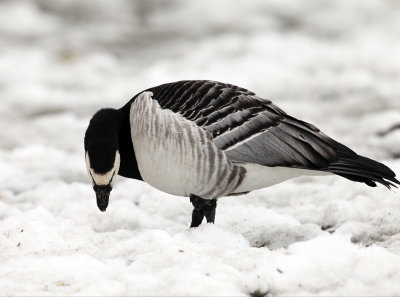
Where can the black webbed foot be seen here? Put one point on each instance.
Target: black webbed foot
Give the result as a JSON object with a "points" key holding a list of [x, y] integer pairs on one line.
{"points": [[202, 208]]}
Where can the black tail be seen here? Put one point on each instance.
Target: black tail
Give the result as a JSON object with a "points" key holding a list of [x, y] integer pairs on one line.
{"points": [[361, 169]]}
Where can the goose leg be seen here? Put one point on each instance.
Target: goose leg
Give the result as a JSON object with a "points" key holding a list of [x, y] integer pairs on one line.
{"points": [[209, 212], [202, 208], [197, 218]]}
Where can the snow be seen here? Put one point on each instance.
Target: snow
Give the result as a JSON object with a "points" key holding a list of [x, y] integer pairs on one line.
{"points": [[333, 63]]}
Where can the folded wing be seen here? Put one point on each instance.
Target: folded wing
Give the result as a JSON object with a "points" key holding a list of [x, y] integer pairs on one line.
{"points": [[253, 130]]}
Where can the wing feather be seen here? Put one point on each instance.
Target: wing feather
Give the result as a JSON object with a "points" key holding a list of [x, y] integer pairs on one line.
{"points": [[248, 127], [252, 129]]}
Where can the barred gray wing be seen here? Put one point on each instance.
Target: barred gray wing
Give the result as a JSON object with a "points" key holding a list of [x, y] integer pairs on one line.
{"points": [[247, 127], [252, 129]]}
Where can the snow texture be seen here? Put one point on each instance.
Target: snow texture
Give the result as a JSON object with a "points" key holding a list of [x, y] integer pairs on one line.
{"points": [[335, 64]]}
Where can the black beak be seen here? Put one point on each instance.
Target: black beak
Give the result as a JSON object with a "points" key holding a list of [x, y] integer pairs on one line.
{"points": [[102, 197]]}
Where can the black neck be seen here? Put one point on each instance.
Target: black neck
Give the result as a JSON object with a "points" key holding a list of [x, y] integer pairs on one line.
{"points": [[129, 167]]}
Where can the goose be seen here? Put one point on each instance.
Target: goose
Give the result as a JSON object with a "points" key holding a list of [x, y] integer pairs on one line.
{"points": [[206, 139]]}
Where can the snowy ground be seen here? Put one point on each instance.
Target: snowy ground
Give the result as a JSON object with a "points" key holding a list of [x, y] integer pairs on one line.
{"points": [[333, 63]]}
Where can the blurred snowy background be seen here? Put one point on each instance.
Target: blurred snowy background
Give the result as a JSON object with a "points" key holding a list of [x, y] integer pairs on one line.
{"points": [[333, 63]]}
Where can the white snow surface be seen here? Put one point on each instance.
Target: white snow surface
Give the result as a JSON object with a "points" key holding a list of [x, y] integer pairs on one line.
{"points": [[335, 64]]}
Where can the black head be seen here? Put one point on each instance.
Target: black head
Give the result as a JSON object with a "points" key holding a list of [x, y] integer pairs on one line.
{"points": [[102, 153]]}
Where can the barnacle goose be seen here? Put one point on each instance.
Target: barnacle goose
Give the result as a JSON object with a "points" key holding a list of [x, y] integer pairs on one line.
{"points": [[205, 139]]}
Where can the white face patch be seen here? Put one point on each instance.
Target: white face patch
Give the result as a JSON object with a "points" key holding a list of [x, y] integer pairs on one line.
{"points": [[106, 178]]}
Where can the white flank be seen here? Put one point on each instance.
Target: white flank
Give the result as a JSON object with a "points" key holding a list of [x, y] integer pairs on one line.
{"points": [[106, 178], [174, 155], [258, 176]]}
